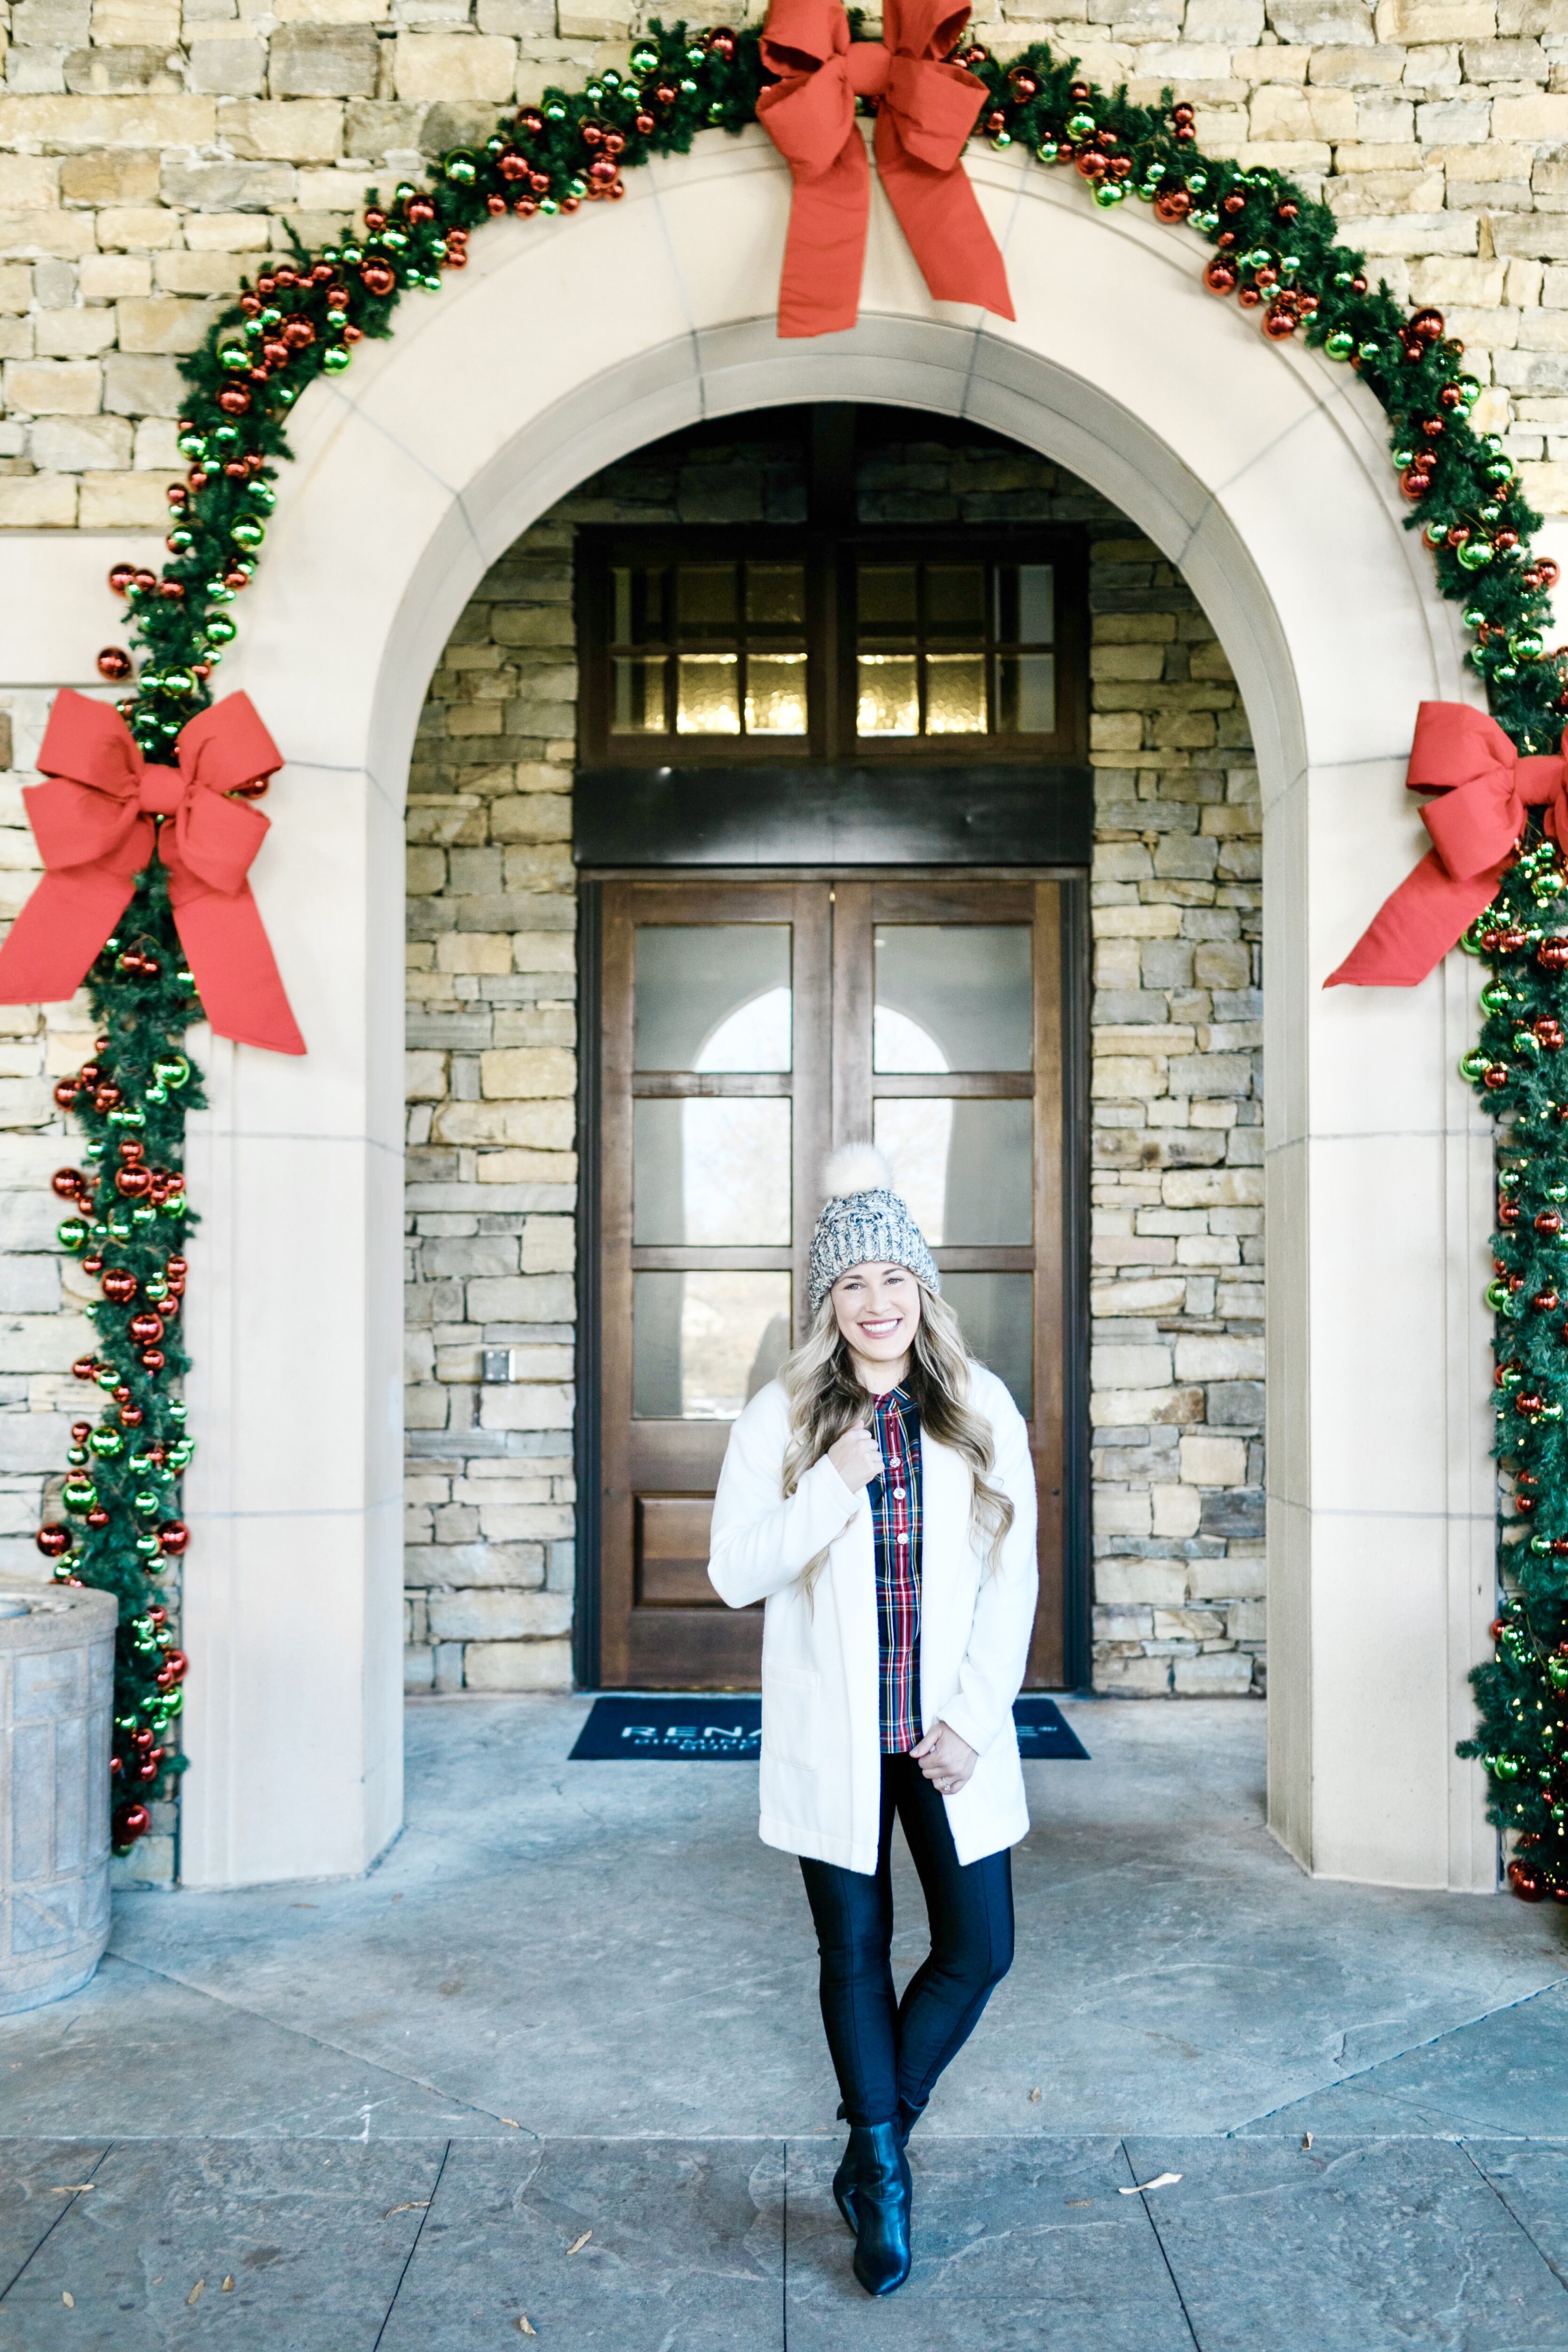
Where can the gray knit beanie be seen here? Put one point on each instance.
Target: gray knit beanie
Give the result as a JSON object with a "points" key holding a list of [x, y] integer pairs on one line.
{"points": [[864, 1223]]}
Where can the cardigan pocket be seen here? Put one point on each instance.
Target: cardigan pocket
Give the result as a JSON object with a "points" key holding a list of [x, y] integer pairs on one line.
{"points": [[790, 1726]]}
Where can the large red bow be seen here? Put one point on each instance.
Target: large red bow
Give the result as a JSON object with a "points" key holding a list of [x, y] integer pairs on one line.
{"points": [[926, 110], [94, 824], [1487, 787]]}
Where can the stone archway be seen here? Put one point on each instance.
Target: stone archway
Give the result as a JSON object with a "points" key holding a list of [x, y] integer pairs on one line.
{"points": [[1263, 473]]}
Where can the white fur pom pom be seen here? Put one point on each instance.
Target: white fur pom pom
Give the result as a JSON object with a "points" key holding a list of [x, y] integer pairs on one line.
{"points": [[856, 1167]]}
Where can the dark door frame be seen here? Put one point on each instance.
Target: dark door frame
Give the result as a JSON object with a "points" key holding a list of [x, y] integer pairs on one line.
{"points": [[1075, 985]]}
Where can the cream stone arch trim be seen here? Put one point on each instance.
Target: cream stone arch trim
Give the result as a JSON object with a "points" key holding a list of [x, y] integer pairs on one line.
{"points": [[1263, 473]]}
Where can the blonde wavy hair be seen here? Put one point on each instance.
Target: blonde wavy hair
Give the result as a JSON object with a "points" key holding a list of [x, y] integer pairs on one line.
{"points": [[826, 1398]]}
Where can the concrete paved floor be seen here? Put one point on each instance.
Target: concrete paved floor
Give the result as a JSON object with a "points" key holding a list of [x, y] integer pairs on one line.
{"points": [[580, 1999]]}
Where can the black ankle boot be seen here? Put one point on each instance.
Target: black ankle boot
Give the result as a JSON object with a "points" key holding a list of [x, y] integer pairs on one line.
{"points": [[881, 2202], [843, 2186], [844, 2180]]}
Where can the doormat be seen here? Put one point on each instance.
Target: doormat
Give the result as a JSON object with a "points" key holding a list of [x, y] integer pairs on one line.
{"points": [[716, 1727]]}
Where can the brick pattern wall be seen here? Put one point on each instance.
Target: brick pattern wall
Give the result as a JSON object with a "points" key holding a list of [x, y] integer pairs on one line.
{"points": [[150, 153], [1176, 1294], [491, 1169], [1176, 1299]]}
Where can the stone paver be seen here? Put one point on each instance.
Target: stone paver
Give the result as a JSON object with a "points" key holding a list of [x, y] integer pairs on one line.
{"points": [[1347, 2246], [606, 2245]]}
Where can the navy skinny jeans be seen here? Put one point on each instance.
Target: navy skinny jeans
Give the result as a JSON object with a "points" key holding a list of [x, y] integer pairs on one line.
{"points": [[887, 2053]]}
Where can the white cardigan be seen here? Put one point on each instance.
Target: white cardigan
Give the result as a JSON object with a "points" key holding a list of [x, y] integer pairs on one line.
{"points": [[821, 1759]]}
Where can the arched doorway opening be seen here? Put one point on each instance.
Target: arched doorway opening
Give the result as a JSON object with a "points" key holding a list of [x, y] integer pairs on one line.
{"points": [[1262, 477]]}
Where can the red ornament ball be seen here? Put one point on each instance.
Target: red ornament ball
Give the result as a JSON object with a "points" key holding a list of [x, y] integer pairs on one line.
{"points": [[1527, 1883], [118, 1286], [114, 663], [174, 1537], [1220, 277], [53, 1540], [130, 1822], [98, 1516]]}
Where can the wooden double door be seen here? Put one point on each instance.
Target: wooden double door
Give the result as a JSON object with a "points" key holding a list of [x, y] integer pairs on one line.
{"points": [[749, 1028]]}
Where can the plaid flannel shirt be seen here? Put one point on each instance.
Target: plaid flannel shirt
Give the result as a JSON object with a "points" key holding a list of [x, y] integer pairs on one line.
{"points": [[896, 1528]]}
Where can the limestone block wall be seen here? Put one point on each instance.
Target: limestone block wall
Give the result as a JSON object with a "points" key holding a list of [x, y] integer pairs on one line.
{"points": [[1177, 1137], [491, 1170]]}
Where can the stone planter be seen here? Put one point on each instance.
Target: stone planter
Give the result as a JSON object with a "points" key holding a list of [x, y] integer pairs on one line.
{"points": [[57, 1690]]}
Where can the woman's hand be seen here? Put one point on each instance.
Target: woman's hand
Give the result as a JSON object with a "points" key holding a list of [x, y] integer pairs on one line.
{"points": [[946, 1760], [857, 1458]]}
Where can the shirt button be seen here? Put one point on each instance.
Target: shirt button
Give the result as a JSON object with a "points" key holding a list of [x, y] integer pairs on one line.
{"points": [[903, 1540], [898, 1494]]}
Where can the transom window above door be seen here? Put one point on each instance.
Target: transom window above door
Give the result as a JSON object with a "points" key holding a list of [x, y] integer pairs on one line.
{"points": [[707, 650], [951, 648], [705, 646]]}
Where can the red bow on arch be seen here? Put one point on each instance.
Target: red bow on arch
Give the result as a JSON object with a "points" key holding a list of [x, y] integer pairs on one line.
{"points": [[94, 822], [926, 109], [1487, 787]]}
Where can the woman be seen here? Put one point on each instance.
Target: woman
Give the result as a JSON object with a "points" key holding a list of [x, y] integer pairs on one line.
{"points": [[878, 1495]]}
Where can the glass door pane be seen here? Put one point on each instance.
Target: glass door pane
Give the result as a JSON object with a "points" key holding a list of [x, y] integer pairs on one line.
{"points": [[966, 1168], [703, 1344], [712, 996], [711, 1174], [954, 997]]}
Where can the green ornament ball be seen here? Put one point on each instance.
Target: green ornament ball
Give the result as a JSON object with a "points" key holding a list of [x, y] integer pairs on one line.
{"points": [[337, 356], [1338, 344], [1475, 554], [71, 1233]]}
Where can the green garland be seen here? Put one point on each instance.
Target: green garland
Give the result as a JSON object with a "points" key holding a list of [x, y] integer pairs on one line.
{"points": [[1274, 248], [131, 1220], [1522, 1693]]}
